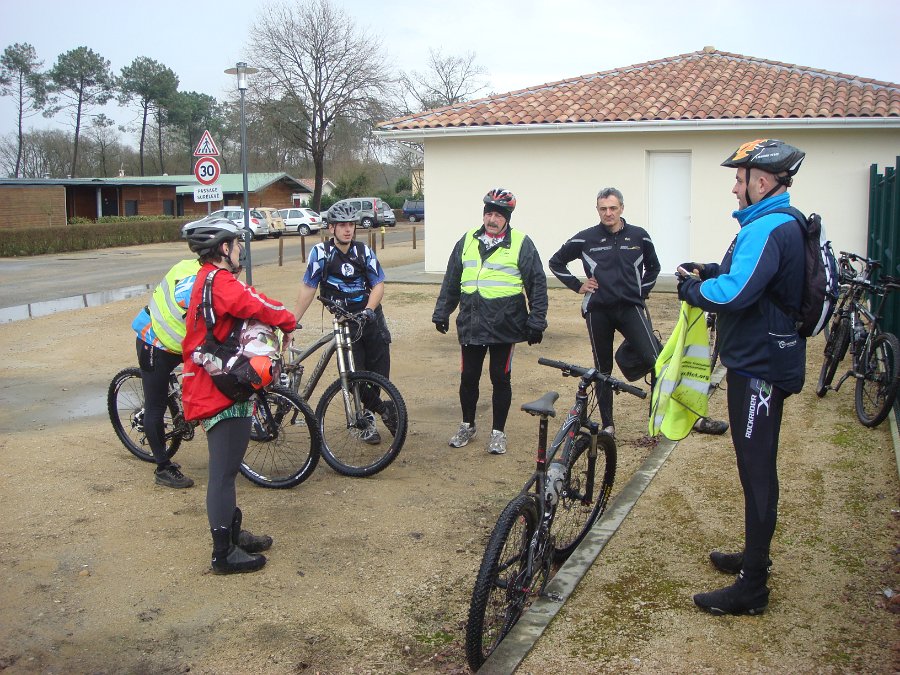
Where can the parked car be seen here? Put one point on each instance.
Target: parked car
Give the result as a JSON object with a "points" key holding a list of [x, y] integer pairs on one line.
{"points": [[414, 209], [368, 210], [301, 220], [387, 217], [259, 227], [273, 220]]}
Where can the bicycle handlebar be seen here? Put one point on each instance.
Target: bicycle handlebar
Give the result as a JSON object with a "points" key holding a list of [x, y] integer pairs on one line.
{"points": [[593, 375]]}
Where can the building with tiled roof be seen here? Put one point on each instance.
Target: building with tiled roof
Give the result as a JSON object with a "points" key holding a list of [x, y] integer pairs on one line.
{"points": [[658, 131]]}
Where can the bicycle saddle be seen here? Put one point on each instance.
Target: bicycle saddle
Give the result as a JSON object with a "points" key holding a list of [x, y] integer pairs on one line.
{"points": [[543, 406]]}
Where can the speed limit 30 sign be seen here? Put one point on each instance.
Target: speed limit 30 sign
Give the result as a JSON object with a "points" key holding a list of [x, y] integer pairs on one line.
{"points": [[207, 170]]}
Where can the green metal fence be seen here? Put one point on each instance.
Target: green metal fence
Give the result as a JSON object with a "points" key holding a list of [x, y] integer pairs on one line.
{"points": [[884, 233]]}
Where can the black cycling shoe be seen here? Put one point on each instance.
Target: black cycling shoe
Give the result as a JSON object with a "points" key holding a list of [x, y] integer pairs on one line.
{"points": [[230, 559], [248, 541], [731, 563], [705, 425], [389, 416], [741, 597]]}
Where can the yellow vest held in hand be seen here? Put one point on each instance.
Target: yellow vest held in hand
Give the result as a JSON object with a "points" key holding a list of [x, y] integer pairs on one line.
{"points": [[681, 393]]}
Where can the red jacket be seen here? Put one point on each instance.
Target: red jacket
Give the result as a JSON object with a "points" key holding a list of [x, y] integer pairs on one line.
{"points": [[232, 300]]}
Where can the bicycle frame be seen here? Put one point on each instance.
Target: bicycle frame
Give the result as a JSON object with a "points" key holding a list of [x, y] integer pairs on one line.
{"points": [[339, 341]]}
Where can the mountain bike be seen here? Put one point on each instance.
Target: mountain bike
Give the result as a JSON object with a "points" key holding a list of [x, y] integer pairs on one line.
{"points": [[284, 448], [713, 340], [875, 354], [546, 521], [346, 421]]}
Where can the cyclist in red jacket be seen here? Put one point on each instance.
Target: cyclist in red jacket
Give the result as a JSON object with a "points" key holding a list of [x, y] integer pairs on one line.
{"points": [[218, 243]]}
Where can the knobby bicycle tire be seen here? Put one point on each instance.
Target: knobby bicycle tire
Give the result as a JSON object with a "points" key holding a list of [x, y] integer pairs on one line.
{"points": [[835, 350], [876, 388], [503, 589], [575, 514], [346, 443], [125, 403], [284, 440]]}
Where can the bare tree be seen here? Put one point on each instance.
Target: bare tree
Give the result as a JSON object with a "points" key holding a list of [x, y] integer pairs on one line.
{"points": [[322, 65], [448, 80]]}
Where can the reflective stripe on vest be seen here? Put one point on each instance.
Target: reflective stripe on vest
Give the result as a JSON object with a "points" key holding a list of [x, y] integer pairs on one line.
{"points": [[681, 393], [165, 312], [496, 277]]}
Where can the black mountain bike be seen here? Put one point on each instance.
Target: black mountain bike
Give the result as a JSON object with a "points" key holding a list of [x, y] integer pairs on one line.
{"points": [[547, 520], [284, 447], [875, 353], [344, 422]]}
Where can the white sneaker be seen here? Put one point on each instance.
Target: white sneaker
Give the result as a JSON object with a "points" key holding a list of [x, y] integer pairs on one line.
{"points": [[464, 434], [497, 444]]}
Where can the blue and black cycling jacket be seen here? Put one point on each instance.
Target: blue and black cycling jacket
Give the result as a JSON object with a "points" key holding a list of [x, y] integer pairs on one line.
{"points": [[764, 264]]}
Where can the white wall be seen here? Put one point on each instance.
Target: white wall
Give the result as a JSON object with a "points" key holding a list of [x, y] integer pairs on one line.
{"points": [[556, 176]]}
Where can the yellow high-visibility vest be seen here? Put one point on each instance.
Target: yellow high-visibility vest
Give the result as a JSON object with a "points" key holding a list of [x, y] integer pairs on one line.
{"points": [[166, 313], [681, 393], [496, 277]]}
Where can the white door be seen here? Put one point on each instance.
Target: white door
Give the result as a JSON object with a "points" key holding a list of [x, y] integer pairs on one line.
{"points": [[669, 207]]}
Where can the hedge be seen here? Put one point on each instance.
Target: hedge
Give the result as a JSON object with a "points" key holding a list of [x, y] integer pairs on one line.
{"points": [[16, 242]]}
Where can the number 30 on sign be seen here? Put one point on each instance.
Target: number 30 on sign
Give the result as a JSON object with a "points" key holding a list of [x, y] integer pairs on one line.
{"points": [[206, 170]]}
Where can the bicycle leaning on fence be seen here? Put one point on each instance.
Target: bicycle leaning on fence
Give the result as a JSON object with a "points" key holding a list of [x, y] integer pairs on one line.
{"points": [[345, 422], [547, 520], [284, 448], [856, 325]]}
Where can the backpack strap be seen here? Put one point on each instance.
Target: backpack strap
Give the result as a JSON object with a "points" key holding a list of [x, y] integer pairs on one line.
{"points": [[358, 262], [800, 219], [209, 315]]}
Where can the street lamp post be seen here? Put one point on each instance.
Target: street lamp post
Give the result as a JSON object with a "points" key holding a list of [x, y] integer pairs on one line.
{"points": [[241, 69]]}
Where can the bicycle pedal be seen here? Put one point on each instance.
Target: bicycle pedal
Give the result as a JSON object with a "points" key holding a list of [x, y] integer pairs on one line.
{"points": [[555, 597]]}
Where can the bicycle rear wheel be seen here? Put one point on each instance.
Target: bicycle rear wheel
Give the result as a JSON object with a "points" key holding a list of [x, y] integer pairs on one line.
{"points": [[835, 350], [576, 513], [284, 447], [876, 389], [356, 441], [507, 580], [125, 403]]}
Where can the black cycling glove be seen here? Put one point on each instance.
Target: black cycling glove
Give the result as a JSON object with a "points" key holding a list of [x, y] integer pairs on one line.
{"points": [[442, 326]]}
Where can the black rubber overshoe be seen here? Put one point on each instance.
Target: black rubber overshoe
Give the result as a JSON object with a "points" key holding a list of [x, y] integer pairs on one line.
{"points": [[739, 598], [731, 563], [230, 559], [248, 541], [171, 476]]}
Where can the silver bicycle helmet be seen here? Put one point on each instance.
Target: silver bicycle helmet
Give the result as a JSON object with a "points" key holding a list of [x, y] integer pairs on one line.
{"points": [[204, 236], [341, 213]]}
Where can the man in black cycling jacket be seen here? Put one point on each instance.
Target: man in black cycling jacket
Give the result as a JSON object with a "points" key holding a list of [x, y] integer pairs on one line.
{"points": [[621, 267]]}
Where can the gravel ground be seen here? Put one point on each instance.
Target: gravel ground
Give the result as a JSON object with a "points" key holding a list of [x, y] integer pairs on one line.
{"points": [[107, 573]]}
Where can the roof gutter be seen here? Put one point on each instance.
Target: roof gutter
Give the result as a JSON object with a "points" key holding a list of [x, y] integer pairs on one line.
{"points": [[646, 125]]}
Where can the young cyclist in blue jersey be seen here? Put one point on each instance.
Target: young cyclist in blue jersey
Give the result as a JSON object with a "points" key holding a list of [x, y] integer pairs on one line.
{"points": [[347, 270]]}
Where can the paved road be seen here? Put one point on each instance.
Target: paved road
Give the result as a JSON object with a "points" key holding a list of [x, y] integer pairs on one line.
{"points": [[108, 271]]}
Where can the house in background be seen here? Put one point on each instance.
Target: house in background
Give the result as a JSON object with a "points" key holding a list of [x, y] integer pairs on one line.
{"points": [[658, 131], [43, 202]]}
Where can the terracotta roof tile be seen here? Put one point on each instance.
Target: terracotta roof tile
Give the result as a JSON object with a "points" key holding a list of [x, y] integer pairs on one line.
{"points": [[704, 85]]}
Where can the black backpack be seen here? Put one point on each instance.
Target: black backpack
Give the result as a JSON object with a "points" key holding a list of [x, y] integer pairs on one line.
{"points": [[820, 285]]}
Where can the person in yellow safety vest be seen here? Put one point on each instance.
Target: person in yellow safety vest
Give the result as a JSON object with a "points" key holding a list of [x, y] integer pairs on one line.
{"points": [[490, 273], [681, 390], [160, 329]]}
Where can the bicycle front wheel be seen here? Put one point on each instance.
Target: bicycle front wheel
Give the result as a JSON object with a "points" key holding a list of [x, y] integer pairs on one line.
{"points": [[363, 427], [284, 440], [125, 403], [508, 579], [876, 388], [835, 349], [585, 492]]}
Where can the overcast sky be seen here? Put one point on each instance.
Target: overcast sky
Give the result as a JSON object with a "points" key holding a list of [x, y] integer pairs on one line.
{"points": [[520, 43]]}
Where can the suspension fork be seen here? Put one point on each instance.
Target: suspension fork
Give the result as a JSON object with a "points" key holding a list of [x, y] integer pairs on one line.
{"points": [[344, 346]]}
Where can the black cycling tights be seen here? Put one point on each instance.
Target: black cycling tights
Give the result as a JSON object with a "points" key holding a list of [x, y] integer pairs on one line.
{"points": [[754, 411], [227, 441], [156, 367], [501, 377]]}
